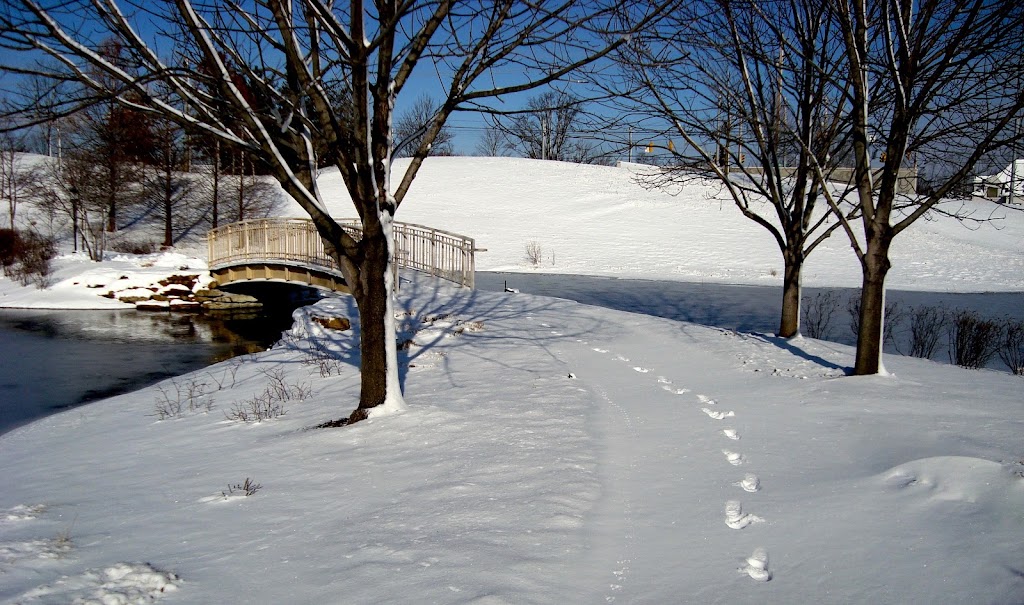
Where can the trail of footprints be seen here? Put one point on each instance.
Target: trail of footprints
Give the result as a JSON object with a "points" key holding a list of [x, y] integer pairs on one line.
{"points": [[756, 565]]}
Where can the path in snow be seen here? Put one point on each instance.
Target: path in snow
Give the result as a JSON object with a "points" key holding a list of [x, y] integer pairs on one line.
{"points": [[636, 420]]}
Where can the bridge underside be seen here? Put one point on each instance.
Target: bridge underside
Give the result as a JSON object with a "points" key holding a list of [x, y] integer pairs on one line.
{"points": [[280, 273]]}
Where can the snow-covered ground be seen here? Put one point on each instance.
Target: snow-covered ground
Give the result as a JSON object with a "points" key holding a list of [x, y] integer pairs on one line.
{"points": [[79, 283], [552, 452]]}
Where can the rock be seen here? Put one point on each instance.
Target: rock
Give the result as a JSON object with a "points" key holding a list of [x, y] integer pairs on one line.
{"points": [[177, 289], [229, 306], [334, 323], [227, 301], [181, 280], [152, 305], [209, 293], [185, 305]]}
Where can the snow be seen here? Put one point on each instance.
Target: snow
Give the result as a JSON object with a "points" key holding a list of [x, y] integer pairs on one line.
{"points": [[79, 283], [599, 220], [551, 452]]}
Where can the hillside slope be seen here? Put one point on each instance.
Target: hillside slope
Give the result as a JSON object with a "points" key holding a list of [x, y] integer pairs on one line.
{"points": [[599, 220]]}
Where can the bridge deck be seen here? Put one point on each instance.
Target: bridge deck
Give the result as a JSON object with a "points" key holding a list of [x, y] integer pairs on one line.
{"points": [[283, 249]]}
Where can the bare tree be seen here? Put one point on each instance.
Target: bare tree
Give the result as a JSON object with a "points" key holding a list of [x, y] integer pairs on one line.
{"points": [[549, 128], [17, 181], [412, 124], [928, 81], [752, 89], [304, 84], [492, 143], [172, 189]]}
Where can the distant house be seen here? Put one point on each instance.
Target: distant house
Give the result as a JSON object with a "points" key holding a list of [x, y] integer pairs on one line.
{"points": [[998, 186]]}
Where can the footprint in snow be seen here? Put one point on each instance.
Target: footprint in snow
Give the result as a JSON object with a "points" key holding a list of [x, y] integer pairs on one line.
{"points": [[706, 400], [735, 518], [674, 390], [22, 512], [663, 380], [756, 566], [734, 458], [718, 415], [750, 483], [731, 434], [600, 350], [641, 370], [621, 358]]}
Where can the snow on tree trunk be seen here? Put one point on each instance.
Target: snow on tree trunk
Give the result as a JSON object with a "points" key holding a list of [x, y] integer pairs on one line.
{"points": [[380, 393]]}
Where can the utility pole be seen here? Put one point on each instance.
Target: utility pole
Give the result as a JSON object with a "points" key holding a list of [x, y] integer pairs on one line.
{"points": [[629, 153], [1013, 164], [544, 136]]}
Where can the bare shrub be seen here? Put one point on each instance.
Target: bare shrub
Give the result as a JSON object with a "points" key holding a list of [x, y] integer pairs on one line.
{"points": [[283, 391], [129, 246], [817, 315], [247, 488], [1012, 349], [230, 372], [270, 402], [316, 353], [184, 396], [973, 341], [927, 324], [168, 404], [257, 409], [534, 254], [26, 256]]}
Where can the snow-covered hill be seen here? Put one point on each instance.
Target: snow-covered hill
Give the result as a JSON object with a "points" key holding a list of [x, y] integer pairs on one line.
{"points": [[600, 220]]}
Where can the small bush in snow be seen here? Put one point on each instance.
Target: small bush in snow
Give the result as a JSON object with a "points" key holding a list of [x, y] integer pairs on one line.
{"points": [[261, 407], [270, 403], [247, 488], [230, 372], [183, 396], [534, 254], [1012, 351], [973, 341], [26, 256], [128, 246], [926, 326], [817, 315], [316, 353], [282, 391]]}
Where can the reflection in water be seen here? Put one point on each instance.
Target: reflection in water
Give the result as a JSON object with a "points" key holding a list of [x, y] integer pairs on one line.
{"points": [[53, 360]]}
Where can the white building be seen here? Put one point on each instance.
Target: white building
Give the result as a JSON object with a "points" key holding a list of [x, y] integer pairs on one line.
{"points": [[998, 186]]}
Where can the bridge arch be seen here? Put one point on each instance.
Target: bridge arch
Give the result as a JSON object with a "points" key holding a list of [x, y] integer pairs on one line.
{"points": [[290, 250]]}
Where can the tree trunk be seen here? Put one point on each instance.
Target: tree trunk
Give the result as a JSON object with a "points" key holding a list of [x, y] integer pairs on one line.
{"points": [[875, 267], [113, 179], [216, 182], [380, 387], [792, 289], [168, 207], [241, 186]]}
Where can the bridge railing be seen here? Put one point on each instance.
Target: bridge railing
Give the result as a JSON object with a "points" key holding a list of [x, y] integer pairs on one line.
{"points": [[440, 253]]}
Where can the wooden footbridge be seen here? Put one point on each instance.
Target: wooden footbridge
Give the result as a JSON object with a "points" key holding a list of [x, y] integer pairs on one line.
{"points": [[290, 250]]}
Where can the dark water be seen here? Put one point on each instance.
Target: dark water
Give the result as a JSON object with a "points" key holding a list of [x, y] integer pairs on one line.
{"points": [[54, 360]]}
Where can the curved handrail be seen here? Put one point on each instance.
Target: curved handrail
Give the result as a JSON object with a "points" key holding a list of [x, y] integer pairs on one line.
{"points": [[295, 241]]}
